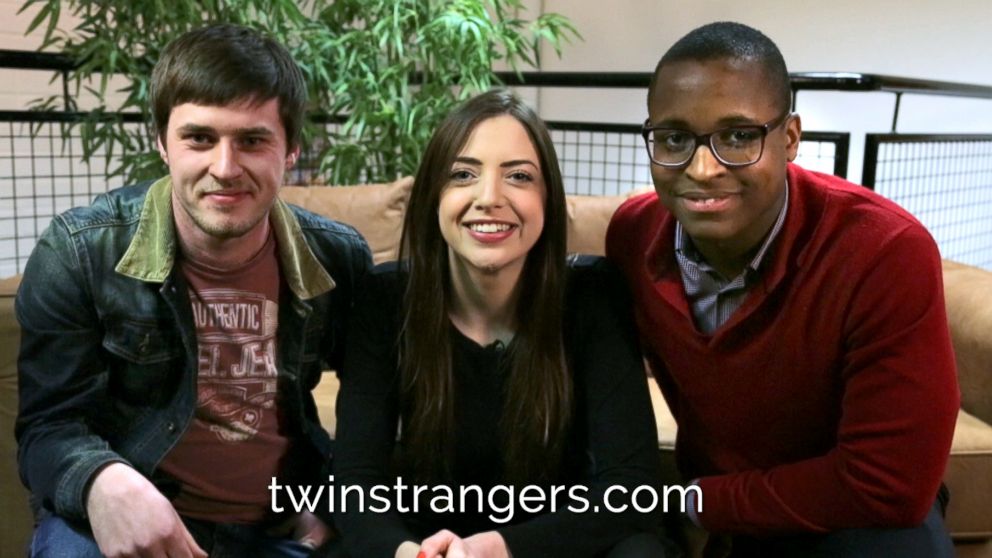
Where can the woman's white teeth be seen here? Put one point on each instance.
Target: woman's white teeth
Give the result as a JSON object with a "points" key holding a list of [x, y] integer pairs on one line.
{"points": [[489, 227]]}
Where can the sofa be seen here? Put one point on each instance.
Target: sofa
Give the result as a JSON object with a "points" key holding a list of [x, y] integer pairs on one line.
{"points": [[377, 212]]}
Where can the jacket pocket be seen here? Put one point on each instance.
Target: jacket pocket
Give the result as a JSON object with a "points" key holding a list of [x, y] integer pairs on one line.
{"points": [[146, 360]]}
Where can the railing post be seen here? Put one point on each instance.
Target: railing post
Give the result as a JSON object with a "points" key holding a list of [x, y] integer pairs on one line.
{"points": [[895, 113], [870, 165], [67, 103], [842, 146]]}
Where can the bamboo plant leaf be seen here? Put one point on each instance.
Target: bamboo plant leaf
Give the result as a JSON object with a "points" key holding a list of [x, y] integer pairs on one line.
{"points": [[392, 68]]}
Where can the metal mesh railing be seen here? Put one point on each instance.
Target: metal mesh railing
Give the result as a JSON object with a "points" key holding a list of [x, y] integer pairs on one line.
{"points": [[945, 182], [40, 177], [825, 152], [600, 159]]}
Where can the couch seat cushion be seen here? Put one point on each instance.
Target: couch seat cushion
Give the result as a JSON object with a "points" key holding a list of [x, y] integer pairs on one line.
{"points": [[326, 396], [969, 478]]}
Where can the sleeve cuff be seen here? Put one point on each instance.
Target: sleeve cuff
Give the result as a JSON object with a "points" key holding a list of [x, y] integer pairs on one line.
{"points": [[71, 493]]}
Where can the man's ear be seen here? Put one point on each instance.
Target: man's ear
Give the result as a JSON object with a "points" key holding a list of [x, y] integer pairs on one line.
{"points": [[161, 150], [292, 156], [793, 131]]}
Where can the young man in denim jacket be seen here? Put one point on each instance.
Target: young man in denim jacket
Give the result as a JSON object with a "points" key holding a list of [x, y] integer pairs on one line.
{"points": [[172, 332]]}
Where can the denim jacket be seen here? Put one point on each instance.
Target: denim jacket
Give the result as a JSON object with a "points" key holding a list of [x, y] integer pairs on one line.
{"points": [[107, 364]]}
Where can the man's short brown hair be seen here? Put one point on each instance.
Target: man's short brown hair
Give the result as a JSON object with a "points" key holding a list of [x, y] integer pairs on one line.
{"points": [[224, 63]]}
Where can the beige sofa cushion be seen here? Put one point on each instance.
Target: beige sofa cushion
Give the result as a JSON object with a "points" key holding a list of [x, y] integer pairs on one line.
{"points": [[663, 418], [588, 217], [376, 210], [326, 396], [15, 518]]}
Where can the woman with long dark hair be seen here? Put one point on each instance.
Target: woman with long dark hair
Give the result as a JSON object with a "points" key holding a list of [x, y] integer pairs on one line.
{"points": [[502, 385]]}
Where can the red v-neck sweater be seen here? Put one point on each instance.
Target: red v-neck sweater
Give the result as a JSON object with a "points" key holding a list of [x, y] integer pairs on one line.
{"points": [[828, 399]]}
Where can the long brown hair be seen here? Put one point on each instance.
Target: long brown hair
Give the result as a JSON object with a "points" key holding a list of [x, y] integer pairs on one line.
{"points": [[538, 395]]}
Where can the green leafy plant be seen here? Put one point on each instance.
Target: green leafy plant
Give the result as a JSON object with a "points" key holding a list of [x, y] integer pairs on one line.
{"points": [[391, 69]]}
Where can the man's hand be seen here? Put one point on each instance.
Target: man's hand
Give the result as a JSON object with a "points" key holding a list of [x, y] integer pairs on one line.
{"points": [[437, 544], [130, 517], [489, 544], [304, 528]]}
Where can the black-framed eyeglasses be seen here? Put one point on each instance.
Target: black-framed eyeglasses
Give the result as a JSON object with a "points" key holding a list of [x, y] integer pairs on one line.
{"points": [[734, 146]]}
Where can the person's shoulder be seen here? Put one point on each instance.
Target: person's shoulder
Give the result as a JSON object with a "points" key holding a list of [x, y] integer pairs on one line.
{"points": [[115, 207], [393, 271], [381, 291], [592, 278], [635, 223], [388, 278], [852, 221], [637, 208], [860, 206], [586, 266], [335, 243], [597, 304], [310, 221]]}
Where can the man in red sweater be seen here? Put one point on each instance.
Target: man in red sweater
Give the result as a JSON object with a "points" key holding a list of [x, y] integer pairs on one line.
{"points": [[794, 321]]}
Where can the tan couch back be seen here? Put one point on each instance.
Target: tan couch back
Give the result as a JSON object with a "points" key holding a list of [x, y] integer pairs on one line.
{"points": [[376, 210]]}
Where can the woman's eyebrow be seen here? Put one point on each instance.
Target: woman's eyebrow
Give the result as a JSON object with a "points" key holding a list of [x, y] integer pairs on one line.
{"points": [[516, 162]]}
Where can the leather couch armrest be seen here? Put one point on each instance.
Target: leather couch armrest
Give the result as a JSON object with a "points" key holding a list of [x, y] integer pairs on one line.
{"points": [[968, 294]]}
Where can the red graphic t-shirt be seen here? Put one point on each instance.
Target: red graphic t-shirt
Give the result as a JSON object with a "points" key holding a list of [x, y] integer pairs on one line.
{"points": [[239, 438]]}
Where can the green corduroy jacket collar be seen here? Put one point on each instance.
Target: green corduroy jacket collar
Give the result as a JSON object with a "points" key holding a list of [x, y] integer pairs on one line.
{"points": [[152, 252]]}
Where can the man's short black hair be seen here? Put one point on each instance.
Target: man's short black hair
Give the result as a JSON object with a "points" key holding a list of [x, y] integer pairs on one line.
{"points": [[225, 63], [735, 41]]}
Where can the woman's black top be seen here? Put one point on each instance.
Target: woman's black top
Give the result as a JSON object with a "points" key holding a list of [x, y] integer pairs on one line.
{"points": [[612, 439]]}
